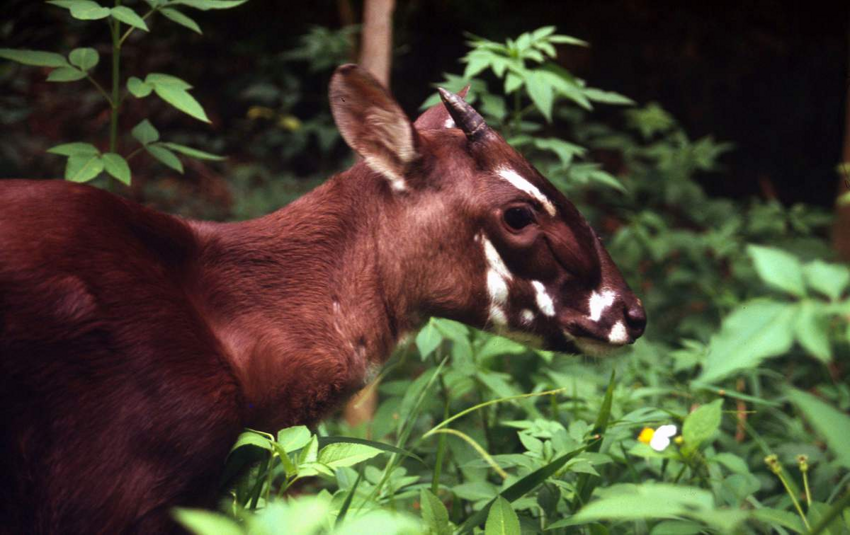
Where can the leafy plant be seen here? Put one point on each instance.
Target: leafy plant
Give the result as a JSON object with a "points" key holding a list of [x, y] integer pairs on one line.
{"points": [[85, 161]]}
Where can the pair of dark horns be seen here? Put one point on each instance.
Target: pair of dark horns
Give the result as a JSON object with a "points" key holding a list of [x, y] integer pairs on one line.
{"points": [[464, 116]]}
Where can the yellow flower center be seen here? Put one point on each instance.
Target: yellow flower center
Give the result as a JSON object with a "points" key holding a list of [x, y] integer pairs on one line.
{"points": [[646, 435]]}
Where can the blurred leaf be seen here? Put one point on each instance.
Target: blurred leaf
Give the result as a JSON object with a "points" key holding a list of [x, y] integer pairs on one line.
{"points": [[830, 423], [646, 501], [165, 156], [35, 58], [88, 10], [65, 74], [701, 424], [145, 133], [181, 19], [776, 517], [206, 522], [74, 149], [158, 78], [138, 88], [812, 331], [82, 168], [502, 519], [117, 166], [756, 330], [541, 93], [428, 339], [129, 17], [434, 513], [84, 58], [192, 153], [778, 269], [607, 97], [830, 280], [205, 5]]}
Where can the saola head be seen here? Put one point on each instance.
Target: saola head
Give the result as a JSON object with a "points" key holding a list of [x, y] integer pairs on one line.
{"points": [[480, 235]]}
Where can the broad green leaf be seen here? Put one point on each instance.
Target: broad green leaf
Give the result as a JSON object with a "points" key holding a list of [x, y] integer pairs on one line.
{"points": [[165, 156], [158, 78], [434, 513], [779, 269], [84, 58], [756, 330], [512, 83], [129, 17], [812, 331], [138, 88], [324, 441], [117, 166], [309, 453], [564, 150], [830, 280], [342, 454], [74, 149], [145, 133], [428, 339], [180, 99], [734, 463], [252, 439], [830, 423], [607, 97], [541, 93], [89, 10], [36, 58], [701, 424], [82, 168], [294, 438], [502, 519], [647, 501], [65, 74], [776, 517], [193, 153], [206, 522], [205, 5], [181, 19]]}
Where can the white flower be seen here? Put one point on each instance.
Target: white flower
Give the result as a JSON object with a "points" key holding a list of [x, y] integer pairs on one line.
{"points": [[661, 438]]}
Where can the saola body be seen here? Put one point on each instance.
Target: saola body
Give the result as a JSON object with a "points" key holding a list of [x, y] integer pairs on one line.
{"points": [[135, 345]]}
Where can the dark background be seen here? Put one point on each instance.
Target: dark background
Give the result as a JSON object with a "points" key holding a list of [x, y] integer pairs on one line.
{"points": [[771, 77]]}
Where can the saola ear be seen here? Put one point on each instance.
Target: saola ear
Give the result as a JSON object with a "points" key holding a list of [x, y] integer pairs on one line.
{"points": [[437, 116], [372, 123]]}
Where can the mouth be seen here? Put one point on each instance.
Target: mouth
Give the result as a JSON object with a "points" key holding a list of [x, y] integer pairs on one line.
{"points": [[591, 346]]}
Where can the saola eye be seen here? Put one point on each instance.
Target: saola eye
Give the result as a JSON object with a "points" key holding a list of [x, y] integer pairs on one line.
{"points": [[519, 217]]}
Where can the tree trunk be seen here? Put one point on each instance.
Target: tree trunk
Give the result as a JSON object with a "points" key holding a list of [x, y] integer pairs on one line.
{"points": [[376, 57]]}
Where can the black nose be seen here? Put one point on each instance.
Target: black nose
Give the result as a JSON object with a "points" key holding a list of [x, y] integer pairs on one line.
{"points": [[635, 319]]}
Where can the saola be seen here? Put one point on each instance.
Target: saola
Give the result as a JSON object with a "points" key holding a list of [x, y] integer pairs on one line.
{"points": [[135, 345]]}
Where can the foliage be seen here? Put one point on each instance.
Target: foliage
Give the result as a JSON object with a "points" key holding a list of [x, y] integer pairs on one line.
{"points": [[745, 355], [85, 162]]}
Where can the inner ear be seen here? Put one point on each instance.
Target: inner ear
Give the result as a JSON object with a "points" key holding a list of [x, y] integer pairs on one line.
{"points": [[437, 116], [372, 123]]}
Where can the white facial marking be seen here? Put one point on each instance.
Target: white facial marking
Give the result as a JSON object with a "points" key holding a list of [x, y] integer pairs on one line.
{"points": [[544, 300], [449, 123], [497, 282], [497, 315], [618, 334], [497, 286], [524, 185], [526, 316], [599, 302], [494, 260]]}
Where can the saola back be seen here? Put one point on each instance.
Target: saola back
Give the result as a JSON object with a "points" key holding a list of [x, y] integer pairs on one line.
{"points": [[135, 345]]}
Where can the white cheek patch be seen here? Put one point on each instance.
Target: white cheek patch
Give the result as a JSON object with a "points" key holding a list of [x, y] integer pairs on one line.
{"points": [[497, 315], [497, 282], [524, 185], [544, 300], [494, 260], [599, 302], [497, 287], [526, 316], [618, 334]]}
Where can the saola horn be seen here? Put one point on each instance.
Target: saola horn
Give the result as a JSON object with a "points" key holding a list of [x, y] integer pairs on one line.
{"points": [[464, 115]]}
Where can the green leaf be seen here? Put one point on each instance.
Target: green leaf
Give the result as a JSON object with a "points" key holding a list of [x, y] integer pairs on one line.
{"points": [[165, 156], [812, 331], [776, 517], [88, 10], [206, 522], [138, 88], [74, 149], [830, 280], [502, 519], [428, 339], [36, 58], [564, 150], [607, 97], [541, 93], [84, 58], [512, 83], [756, 330], [82, 168], [181, 19], [129, 17], [158, 78], [647, 501], [193, 153], [145, 133], [180, 99], [434, 513], [341, 454], [701, 424], [205, 5], [116, 165], [65, 74], [294, 438], [779, 269], [829, 422], [324, 441]]}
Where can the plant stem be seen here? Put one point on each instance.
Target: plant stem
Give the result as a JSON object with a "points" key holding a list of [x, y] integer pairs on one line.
{"points": [[441, 442], [794, 500], [808, 492], [100, 89], [830, 515], [116, 78], [131, 29]]}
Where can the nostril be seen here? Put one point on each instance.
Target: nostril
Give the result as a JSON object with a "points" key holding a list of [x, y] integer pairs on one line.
{"points": [[636, 319]]}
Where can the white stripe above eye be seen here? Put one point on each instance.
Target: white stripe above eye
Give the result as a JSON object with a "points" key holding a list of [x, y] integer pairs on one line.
{"points": [[524, 185]]}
